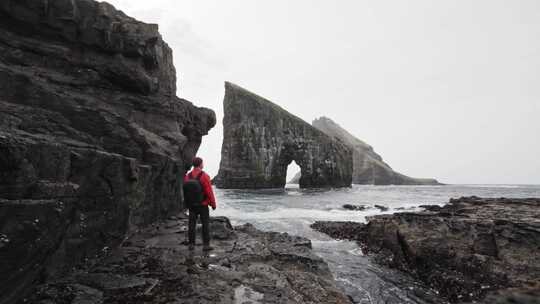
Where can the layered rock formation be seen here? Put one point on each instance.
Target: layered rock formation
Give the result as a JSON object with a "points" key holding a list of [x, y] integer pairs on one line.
{"points": [[466, 250], [260, 139], [92, 137], [246, 266], [368, 166]]}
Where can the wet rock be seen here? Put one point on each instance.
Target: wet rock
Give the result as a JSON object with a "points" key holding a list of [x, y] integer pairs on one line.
{"points": [[368, 166], [382, 208], [404, 208], [435, 208], [261, 139], [87, 295], [106, 281], [466, 250], [247, 266], [92, 135], [243, 294], [220, 228], [69, 293], [525, 295], [339, 230], [356, 207]]}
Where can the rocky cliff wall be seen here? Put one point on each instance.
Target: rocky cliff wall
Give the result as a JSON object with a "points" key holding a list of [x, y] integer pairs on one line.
{"points": [[368, 166], [92, 136], [260, 140]]}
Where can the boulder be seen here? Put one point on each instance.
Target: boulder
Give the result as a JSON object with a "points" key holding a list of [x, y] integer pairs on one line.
{"points": [[93, 139], [356, 207], [260, 139], [339, 230], [382, 208], [220, 228], [431, 207]]}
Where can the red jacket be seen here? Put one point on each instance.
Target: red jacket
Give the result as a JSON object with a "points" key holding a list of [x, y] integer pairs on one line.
{"points": [[210, 199]]}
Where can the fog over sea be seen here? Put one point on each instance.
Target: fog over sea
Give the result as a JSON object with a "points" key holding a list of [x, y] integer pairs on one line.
{"points": [[292, 210]]}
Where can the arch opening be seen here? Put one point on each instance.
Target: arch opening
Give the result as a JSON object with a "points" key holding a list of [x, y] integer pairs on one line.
{"points": [[294, 172]]}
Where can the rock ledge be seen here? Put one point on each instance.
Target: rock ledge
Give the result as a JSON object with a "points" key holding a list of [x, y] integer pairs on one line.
{"points": [[246, 266]]}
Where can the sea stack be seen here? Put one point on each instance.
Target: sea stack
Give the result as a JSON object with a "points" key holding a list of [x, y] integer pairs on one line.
{"points": [[260, 139], [368, 166], [92, 136]]}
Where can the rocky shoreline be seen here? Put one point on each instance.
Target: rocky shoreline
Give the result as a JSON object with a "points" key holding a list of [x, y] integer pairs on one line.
{"points": [[154, 266], [468, 250], [94, 142]]}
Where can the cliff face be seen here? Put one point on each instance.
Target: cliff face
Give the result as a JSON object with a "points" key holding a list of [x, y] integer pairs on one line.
{"points": [[368, 166], [92, 136], [261, 139]]}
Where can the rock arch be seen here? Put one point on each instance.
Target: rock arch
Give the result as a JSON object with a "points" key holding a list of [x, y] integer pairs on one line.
{"points": [[260, 139]]}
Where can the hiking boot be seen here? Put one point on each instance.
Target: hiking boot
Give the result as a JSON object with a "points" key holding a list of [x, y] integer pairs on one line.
{"points": [[207, 248]]}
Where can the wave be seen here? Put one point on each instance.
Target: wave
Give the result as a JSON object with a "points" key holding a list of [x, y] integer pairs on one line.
{"points": [[502, 186], [296, 214]]}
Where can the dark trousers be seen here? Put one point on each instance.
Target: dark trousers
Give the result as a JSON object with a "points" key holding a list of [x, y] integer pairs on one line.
{"points": [[194, 212]]}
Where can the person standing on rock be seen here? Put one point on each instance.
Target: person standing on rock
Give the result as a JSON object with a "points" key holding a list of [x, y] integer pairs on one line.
{"points": [[198, 196]]}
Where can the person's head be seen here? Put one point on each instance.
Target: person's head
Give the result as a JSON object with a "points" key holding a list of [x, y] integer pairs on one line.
{"points": [[197, 162]]}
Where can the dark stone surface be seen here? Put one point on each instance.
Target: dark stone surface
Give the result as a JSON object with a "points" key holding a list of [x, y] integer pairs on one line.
{"points": [[382, 208], [247, 266], [261, 139], [431, 207], [369, 167], [356, 207], [340, 230], [468, 249], [92, 136], [524, 295]]}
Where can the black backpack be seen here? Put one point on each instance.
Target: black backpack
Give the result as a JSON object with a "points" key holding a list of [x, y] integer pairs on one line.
{"points": [[193, 191]]}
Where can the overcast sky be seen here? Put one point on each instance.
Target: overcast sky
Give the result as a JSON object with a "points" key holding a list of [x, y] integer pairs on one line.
{"points": [[442, 89]]}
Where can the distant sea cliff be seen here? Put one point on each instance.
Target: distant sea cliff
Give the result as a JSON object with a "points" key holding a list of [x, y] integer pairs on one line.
{"points": [[368, 166]]}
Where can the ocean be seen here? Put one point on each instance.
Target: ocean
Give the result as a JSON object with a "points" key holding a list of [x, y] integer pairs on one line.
{"points": [[293, 210]]}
